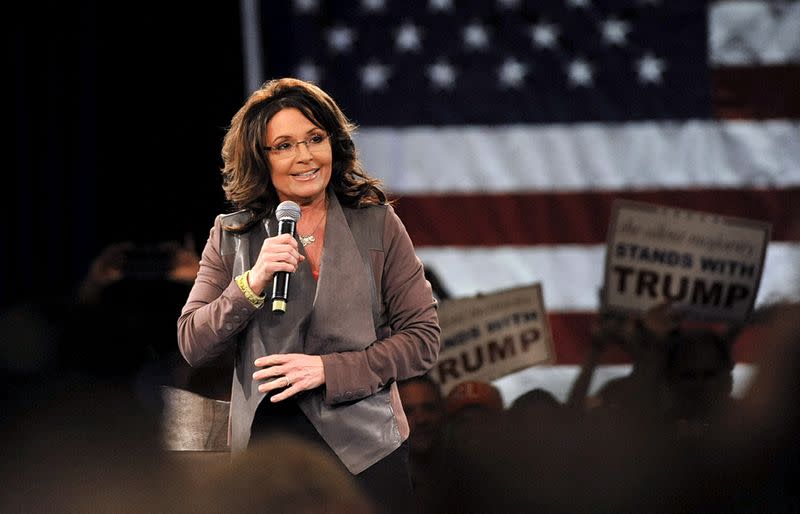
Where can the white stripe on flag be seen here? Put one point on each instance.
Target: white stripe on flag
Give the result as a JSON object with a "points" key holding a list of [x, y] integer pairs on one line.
{"points": [[647, 155], [572, 274], [743, 33]]}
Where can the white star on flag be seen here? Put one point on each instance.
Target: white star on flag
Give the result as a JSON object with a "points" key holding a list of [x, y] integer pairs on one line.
{"points": [[408, 38], [440, 5], [615, 32], [578, 3], [580, 73], [306, 6], [475, 36], [442, 75], [508, 4], [544, 34], [512, 73], [341, 39], [650, 69], [374, 76], [373, 5]]}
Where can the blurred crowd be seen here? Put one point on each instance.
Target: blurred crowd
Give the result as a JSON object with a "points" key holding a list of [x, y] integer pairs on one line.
{"points": [[668, 437], [82, 427]]}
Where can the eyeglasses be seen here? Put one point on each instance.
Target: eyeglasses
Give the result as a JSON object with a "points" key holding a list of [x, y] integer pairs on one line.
{"points": [[287, 149]]}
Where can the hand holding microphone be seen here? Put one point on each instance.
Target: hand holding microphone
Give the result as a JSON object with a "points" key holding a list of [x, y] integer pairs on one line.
{"points": [[278, 258]]}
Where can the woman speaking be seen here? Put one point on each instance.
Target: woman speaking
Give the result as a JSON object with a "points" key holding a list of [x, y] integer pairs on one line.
{"points": [[359, 314]]}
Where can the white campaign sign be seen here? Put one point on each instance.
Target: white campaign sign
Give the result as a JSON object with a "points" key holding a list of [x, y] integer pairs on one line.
{"points": [[708, 265], [489, 336]]}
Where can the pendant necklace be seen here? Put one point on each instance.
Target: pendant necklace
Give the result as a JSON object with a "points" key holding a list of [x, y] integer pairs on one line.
{"points": [[308, 239]]}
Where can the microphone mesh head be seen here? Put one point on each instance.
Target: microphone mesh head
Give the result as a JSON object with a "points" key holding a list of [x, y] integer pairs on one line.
{"points": [[288, 210]]}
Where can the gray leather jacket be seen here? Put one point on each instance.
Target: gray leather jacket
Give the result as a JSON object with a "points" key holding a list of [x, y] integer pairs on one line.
{"points": [[371, 316]]}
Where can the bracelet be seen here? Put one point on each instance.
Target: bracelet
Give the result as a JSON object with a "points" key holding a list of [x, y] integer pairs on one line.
{"points": [[252, 297]]}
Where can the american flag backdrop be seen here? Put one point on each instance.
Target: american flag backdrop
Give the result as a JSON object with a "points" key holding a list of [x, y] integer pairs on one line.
{"points": [[505, 129]]}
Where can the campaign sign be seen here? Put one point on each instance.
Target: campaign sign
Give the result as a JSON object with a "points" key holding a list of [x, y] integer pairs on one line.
{"points": [[708, 266], [489, 336]]}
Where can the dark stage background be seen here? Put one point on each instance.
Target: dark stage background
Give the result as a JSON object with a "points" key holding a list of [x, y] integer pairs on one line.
{"points": [[118, 116]]}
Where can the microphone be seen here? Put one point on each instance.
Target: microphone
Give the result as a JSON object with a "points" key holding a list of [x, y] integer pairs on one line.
{"points": [[287, 213]]}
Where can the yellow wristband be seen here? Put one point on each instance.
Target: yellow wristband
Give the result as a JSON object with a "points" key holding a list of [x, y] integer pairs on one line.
{"points": [[252, 297]]}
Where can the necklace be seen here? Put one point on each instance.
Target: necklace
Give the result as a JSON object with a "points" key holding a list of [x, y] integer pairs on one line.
{"points": [[309, 238]]}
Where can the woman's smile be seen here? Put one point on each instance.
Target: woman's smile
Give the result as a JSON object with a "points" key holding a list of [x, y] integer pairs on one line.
{"points": [[304, 176]]}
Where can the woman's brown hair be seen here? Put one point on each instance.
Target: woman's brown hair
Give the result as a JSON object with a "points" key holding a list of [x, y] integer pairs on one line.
{"points": [[246, 172]]}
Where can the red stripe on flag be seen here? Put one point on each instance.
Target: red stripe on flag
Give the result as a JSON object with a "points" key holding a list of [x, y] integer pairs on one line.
{"points": [[756, 92], [571, 332], [576, 217]]}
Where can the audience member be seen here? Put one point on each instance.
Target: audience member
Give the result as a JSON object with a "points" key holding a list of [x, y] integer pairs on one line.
{"points": [[424, 408], [474, 411], [699, 381], [127, 305], [473, 399], [475, 425], [534, 409], [639, 396]]}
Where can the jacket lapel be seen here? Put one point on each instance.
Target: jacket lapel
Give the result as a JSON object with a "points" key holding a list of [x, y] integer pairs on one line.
{"points": [[341, 319]]}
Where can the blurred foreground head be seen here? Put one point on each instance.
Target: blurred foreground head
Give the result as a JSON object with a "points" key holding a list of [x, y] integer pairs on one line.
{"points": [[282, 473], [85, 446]]}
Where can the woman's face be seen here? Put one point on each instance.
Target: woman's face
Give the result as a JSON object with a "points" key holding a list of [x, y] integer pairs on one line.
{"points": [[299, 172]]}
